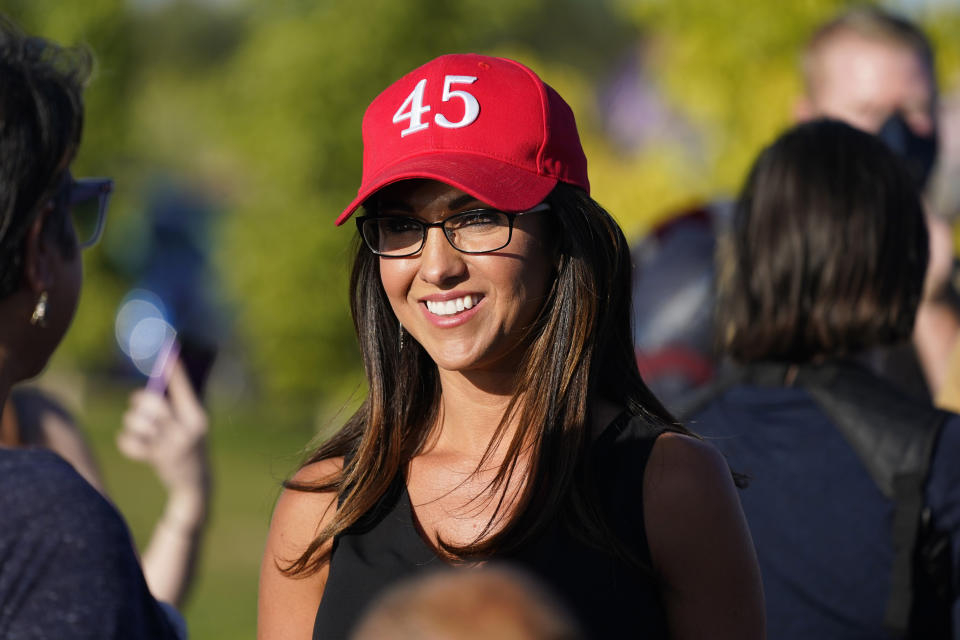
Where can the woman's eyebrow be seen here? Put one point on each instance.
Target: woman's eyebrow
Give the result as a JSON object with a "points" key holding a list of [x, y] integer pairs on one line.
{"points": [[462, 201], [399, 205], [393, 205]]}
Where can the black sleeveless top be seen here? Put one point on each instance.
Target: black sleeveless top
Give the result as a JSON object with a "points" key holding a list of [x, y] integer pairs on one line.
{"points": [[610, 597]]}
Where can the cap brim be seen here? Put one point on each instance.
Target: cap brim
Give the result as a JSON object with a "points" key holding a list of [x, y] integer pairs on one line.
{"points": [[501, 185]]}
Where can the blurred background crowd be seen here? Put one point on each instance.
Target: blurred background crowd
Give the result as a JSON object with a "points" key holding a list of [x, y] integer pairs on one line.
{"points": [[230, 126]]}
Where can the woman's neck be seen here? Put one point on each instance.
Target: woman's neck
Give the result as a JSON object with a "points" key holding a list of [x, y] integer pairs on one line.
{"points": [[471, 409]]}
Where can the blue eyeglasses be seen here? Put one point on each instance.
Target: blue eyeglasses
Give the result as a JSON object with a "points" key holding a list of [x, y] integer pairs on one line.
{"points": [[88, 199], [85, 199]]}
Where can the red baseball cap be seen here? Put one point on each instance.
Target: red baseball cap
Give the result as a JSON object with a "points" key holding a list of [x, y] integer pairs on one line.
{"points": [[488, 126]]}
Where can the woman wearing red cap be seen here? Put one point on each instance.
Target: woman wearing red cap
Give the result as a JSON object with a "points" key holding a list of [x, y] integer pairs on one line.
{"points": [[505, 418]]}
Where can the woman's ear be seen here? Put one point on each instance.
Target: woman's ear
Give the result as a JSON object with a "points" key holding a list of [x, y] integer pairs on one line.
{"points": [[39, 252]]}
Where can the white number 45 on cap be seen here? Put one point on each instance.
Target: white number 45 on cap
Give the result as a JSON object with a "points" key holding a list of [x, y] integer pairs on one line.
{"points": [[413, 108]]}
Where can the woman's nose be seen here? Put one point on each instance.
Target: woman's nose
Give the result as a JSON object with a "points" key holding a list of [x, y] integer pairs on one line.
{"points": [[440, 263]]}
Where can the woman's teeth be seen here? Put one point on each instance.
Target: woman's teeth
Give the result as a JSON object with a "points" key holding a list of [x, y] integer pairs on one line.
{"points": [[450, 307]]}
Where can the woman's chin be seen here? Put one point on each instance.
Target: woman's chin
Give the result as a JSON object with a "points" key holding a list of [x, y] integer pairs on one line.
{"points": [[477, 362], [454, 363]]}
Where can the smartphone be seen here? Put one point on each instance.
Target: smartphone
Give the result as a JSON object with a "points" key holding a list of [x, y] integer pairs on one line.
{"points": [[197, 358]]}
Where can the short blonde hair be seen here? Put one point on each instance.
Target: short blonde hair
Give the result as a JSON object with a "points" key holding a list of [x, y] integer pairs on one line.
{"points": [[870, 23]]}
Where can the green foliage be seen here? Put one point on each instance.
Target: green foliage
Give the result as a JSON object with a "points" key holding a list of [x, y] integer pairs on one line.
{"points": [[260, 104], [731, 68]]}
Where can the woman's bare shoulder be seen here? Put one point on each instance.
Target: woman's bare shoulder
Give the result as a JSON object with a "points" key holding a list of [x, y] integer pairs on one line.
{"points": [[297, 506], [687, 489], [699, 541], [681, 464], [288, 603], [319, 471]]}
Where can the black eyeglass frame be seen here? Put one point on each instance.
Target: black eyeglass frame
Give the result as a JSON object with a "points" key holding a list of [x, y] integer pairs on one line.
{"points": [[425, 226]]}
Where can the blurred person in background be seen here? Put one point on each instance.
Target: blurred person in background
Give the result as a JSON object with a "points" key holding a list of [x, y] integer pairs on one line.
{"points": [[505, 418], [854, 496], [876, 71], [494, 601], [68, 568]]}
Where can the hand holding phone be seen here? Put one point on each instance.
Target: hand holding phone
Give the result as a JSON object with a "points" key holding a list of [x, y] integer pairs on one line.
{"points": [[166, 427]]}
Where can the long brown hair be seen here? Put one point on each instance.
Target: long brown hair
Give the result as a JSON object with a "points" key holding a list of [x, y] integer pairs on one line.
{"points": [[580, 351], [828, 249]]}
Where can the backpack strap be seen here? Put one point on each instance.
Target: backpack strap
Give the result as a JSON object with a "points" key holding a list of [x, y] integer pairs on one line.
{"points": [[892, 433], [894, 436]]}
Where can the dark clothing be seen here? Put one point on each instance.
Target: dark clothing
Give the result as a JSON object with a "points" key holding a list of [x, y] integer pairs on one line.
{"points": [[67, 565], [821, 527], [608, 596]]}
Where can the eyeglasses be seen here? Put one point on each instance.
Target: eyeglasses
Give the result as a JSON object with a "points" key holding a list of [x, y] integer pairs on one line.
{"points": [[87, 199], [474, 231]]}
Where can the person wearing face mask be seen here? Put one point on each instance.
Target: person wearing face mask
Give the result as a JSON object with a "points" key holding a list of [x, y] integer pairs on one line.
{"points": [[874, 70]]}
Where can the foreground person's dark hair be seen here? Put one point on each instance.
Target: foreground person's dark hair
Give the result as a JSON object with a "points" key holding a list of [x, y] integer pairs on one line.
{"points": [[41, 119], [828, 249]]}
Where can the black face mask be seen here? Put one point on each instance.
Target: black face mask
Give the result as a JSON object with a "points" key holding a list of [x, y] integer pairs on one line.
{"points": [[917, 152]]}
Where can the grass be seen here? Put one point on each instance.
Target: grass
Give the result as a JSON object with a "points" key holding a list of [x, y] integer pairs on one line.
{"points": [[251, 450]]}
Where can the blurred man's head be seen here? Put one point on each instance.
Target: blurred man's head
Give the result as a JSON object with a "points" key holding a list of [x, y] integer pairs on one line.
{"points": [[875, 71], [467, 604]]}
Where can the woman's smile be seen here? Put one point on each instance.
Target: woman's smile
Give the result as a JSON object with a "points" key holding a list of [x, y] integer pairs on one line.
{"points": [[451, 310], [451, 306]]}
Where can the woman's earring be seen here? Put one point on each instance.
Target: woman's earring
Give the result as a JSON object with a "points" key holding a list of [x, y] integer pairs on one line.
{"points": [[39, 317], [401, 337]]}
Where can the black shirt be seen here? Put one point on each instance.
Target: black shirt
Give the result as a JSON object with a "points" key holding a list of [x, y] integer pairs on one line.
{"points": [[610, 597]]}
